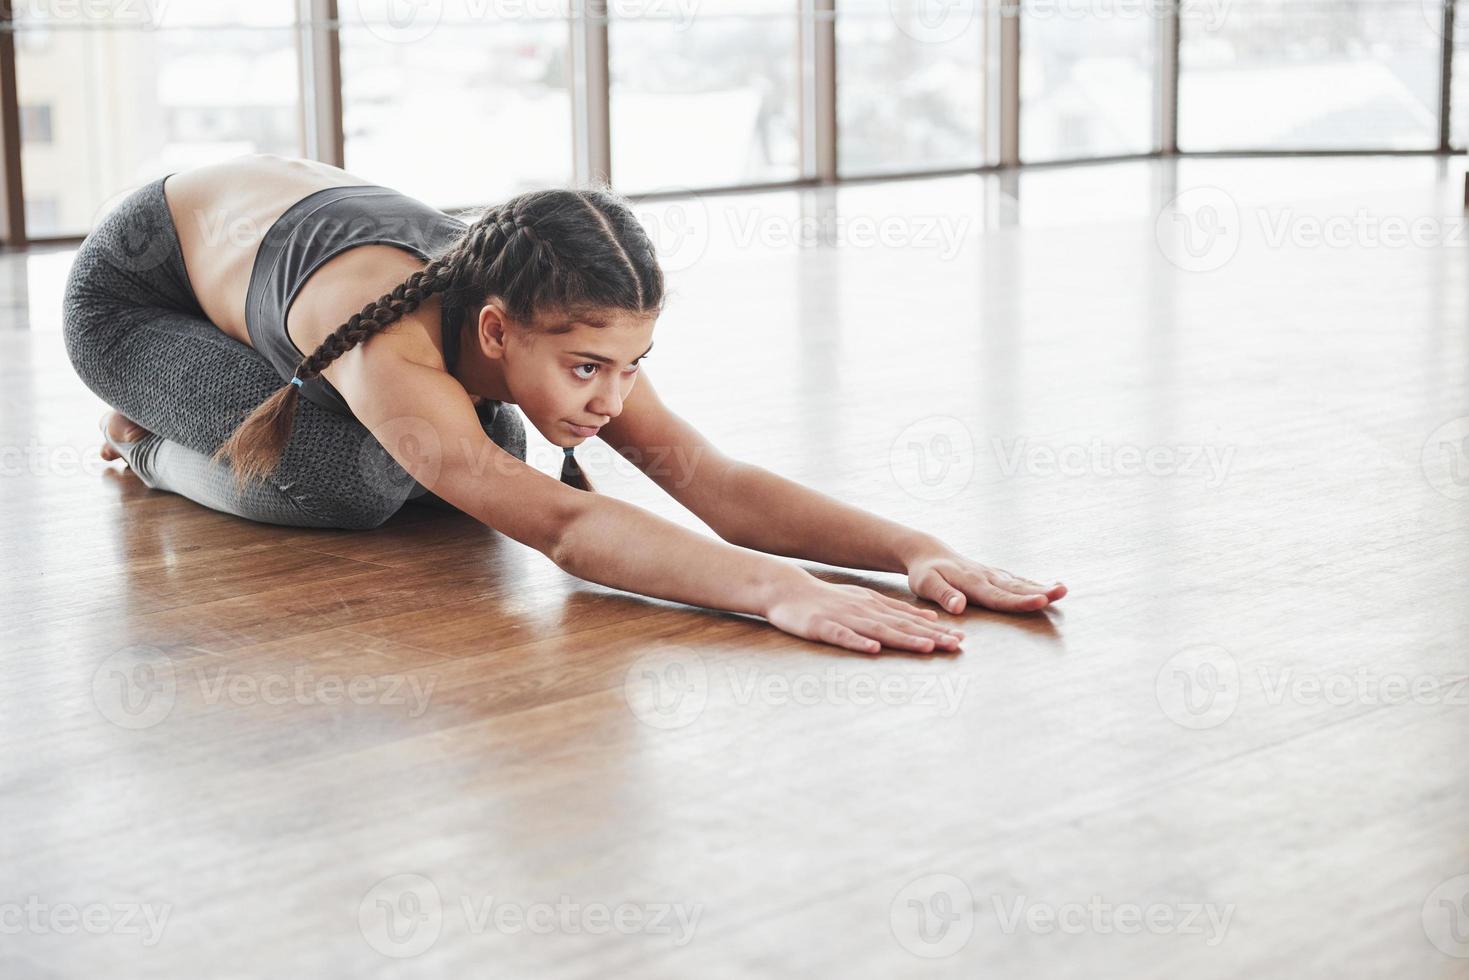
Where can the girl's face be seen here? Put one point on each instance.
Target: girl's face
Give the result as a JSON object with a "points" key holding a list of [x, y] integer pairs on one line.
{"points": [[570, 374]]}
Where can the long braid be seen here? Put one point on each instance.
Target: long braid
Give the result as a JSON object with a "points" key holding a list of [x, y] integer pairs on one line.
{"points": [[255, 447]]}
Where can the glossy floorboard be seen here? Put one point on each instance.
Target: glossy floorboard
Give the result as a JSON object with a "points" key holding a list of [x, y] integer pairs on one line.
{"points": [[1236, 749]]}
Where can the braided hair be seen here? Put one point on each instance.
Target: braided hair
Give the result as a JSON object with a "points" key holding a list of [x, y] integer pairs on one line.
{"points": [[569, 250]]}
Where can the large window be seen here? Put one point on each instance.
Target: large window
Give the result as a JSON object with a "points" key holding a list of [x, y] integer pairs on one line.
{"points": [[1459, 88], [1310, 74], [463, 103], [911, 85], [1087, 78], [703, 96], [124, 93], [457, 103]]}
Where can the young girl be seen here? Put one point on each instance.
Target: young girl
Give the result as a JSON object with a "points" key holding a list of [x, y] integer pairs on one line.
{"points": [[192, 304]]}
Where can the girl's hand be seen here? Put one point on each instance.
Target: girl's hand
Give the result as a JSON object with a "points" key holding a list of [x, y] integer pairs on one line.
{"points": [[951, 579], [859, 619]]}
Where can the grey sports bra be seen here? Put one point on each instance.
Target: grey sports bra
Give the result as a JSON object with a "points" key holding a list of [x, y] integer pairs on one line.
{"points": [[321, 225]]}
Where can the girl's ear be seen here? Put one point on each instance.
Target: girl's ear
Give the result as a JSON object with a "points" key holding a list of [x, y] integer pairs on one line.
{"points": [[492, 327]]}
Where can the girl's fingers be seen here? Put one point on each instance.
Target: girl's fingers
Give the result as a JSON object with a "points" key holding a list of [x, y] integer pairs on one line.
{"points": [[839, 635], [1019, 586], [935, 587], [941, 636], [991, 595], [1053, 591], [896, 605], [923, 620], [899, 639], [900, 606]]}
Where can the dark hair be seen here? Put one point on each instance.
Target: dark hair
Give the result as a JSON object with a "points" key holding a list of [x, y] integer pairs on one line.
{"points": [[573, 251]]}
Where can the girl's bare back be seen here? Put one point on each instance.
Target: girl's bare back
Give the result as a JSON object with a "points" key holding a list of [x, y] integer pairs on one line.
{"points": [[222, 212]]}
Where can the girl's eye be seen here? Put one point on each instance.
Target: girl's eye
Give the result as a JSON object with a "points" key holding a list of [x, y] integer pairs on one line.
{"points": [[632, 369]]}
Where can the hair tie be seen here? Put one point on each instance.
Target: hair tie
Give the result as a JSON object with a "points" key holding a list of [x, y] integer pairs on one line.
{"points": [[298, 382]]}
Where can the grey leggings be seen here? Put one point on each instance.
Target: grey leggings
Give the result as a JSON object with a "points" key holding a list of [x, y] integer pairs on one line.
{"points": [[137, 337]]}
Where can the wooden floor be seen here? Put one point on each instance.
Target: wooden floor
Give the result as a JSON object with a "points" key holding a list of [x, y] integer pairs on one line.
{"points": [[1236, 749]]}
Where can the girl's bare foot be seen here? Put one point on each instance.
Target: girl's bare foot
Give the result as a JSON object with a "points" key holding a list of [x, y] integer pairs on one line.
{"points": [[119, 428]]}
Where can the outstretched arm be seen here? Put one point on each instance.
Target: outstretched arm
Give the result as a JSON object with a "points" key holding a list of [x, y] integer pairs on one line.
{"points": [[753, 508], [427, 423], [766, 512]]}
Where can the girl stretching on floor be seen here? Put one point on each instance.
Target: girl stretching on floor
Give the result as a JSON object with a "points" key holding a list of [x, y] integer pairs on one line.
{"points": [[191, 311]]}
